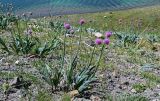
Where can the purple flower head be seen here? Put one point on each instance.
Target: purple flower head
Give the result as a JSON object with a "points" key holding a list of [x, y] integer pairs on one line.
{"points": [[67, 26], [82, 21], [98, 41], [106, 41], [108, 34]]}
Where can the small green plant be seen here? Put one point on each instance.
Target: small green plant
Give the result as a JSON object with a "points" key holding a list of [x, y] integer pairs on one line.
{"points": [[24, 45], [52, 76], [126, 39], [18, 45], [69, 72], [43, 96], [151, 77], [4, 45], [139, 87], [84, 78], [5, 20], [41, 51], [66, 97], [28, 45], [57, 26], [152, 38], [6, 88]]}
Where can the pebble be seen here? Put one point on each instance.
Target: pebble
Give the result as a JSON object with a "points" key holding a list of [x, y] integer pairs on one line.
{"points": [[73, 93], [95, 98], [156, 100], [133, 91], [148, 90], [17, 62], [147, 68], [2, 60]]}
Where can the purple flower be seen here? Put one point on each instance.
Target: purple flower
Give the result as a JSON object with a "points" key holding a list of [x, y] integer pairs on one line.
{"points": [[108, 34], [67, 26], [82, 21], [98, 41], [106, 41]]}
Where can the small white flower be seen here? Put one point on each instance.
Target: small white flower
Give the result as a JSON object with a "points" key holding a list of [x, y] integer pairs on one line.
{"points": [[17, 62], [97, 34]]}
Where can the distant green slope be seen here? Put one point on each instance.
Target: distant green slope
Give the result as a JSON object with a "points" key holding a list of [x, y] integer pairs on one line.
{"points": [[73, 6]]}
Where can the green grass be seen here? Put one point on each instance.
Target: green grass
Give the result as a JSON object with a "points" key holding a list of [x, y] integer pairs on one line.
{"points": [[149, 16], [151, 77], [139, 87]]}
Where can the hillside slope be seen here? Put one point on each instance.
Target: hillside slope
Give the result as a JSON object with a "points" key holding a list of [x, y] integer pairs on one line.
{"points": [[56, 7]]}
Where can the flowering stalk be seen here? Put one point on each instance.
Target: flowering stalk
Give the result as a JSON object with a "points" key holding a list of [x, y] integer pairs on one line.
{"points": [[67, 27], [100, 56], [81, 22], [64, 49], [92, 56]]}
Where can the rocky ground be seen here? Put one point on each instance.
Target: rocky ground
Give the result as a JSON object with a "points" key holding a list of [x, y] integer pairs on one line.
{"points": [[115, 81]]}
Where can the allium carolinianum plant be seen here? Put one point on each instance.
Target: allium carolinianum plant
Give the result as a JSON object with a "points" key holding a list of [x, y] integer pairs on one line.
{"points": [[67, 72], [105, 41]]}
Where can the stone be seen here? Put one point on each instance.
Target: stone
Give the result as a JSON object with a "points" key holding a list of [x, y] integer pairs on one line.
{"points": [[3, 60], [70, 35], [126, 83], [101, 75], [148, 90], [90, 43], [133, 91], [142, 52], [16, 82], [95, 98], [73, 93], [155, 100], [17, 62], [157, 46], [97, 34], [120, 87], [80, 99], [147, 68], [114, 73]]}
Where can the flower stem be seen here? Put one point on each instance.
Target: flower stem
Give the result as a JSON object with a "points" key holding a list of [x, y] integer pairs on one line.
{"points": [[64, 49], [100, 55], [92, 56], [80, 39]]}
